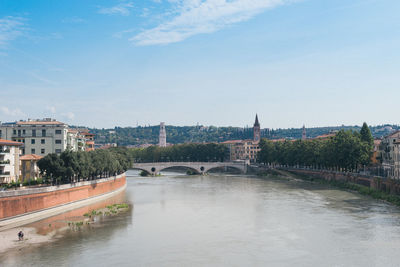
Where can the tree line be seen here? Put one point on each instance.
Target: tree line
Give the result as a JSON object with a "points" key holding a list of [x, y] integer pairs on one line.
{"points": [[183, 152], [70, 166], [347, 150]]}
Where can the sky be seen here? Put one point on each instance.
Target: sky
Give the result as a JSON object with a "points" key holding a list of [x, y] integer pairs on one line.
{"points": [[122, 63]]}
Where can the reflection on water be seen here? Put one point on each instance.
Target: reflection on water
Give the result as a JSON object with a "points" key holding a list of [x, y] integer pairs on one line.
{"points": [[60, 221], [228, 220]]}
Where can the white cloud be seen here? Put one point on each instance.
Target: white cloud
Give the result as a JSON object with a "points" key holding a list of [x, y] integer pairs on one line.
{"points": [[120, 9], [12, 112], [51, 109], [202, 16], [69, 115], [10, 29]]}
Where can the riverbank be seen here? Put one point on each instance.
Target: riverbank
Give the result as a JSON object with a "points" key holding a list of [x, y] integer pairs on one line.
{"points": [[341, 184], [50, 228]]}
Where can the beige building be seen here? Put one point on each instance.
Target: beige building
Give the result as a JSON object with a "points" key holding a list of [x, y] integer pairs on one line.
{"points": [[9, 161], [29, 168], [42, 137], [245, 149], [389, 156]]}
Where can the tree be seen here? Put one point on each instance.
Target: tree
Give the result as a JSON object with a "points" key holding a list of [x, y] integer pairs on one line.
{"points": [[366, 135]]}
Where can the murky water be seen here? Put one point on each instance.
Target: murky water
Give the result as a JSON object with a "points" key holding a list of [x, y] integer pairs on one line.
{"points": [[223, 220]]}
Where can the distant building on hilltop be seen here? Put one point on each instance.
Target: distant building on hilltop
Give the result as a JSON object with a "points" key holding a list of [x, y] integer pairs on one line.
{"points": [[162, 139], [304, 135]]}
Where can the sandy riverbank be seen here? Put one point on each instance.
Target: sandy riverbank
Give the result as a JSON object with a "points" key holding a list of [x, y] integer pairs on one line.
{"points": [[9, 238]]}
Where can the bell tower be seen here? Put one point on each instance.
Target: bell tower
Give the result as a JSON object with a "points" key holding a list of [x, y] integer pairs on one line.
{"points": [[162, 139], [304, 135], [256, 131]]}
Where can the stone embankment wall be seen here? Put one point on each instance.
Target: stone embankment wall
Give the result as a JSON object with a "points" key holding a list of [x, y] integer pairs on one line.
{"points": [[382, 184], [23, 201]]}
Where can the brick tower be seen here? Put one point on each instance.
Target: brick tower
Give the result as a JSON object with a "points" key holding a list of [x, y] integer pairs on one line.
{"points": [[256, 130]]}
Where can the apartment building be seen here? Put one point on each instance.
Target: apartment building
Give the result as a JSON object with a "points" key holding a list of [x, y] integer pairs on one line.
{"points": [[389, 155], [39, 137], [9, 160]]}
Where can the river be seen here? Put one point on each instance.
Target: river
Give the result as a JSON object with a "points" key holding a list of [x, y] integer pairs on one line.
{"points": [[228, 220]]}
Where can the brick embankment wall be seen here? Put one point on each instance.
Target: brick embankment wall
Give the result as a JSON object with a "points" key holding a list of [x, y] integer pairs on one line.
{"points": [[385, 185], [18, 202]]}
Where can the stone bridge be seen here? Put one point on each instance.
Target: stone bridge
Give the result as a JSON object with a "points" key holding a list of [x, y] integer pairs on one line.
{"points": [[198, 167]]}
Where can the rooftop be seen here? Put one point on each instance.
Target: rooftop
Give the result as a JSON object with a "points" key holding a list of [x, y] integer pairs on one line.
{"points": [[30, 157], [45, 121], [4, 142]]}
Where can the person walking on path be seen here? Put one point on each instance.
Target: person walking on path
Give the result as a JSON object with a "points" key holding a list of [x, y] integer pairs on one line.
{"points": [[20, 236]]}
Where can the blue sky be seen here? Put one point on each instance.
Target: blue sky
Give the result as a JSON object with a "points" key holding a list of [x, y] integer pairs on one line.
{"points": [[215, 62]]}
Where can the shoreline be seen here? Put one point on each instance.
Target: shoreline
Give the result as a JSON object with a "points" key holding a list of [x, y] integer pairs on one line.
{"points": [[345, 186], [50, 224]]}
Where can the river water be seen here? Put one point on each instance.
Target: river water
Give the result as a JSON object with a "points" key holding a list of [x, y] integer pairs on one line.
{"points": [[229, 220]]}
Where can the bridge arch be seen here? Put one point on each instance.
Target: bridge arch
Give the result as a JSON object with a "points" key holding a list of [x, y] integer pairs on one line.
{"points": [[199, 167], [183, 167], [141, 169]]}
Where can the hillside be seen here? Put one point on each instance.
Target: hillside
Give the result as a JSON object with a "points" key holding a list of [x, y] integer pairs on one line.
{"points": [[203, 134]]}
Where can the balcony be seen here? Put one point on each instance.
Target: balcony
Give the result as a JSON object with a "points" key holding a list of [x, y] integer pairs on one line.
{"points": [[4, 162], [4, 151], [4, 174]]}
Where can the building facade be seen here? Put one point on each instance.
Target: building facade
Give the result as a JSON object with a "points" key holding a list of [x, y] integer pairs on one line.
{"points": [[389, 156], [39, 137], [9, 161], [246, 149], [42, 137], [162, 139], [29, 169]]}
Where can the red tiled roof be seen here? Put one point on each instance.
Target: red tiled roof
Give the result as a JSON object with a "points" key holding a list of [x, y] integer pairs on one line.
{"points": [[30, 157], [87, 134], [10, 143], [232, 142], [324, 136]]}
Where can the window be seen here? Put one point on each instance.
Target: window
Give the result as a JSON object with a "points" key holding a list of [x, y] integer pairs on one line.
{"points": [[58, 131], [23, 131], [19, 132], [23, 151], [32, 151], [14, 131], [33, 133], [58, 141], [32, 141], [43, 141], [42, 151], [58, 151], [0, 133], [43, 132]]}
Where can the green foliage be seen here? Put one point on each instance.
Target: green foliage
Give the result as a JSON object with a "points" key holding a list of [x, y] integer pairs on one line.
{"points": [[76, 166], [366, 135], [184, 152], [200, 134], [346, 151]]}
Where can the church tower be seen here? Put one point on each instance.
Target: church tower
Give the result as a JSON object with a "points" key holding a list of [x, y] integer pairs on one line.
{"points": [[256, 131], [304, 135], [162, 140]]}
